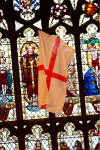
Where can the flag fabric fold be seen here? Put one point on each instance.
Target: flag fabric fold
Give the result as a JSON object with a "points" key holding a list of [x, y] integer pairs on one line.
{"points": [[54, 57]]}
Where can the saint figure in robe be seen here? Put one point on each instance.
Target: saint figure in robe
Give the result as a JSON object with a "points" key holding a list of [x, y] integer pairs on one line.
{"points": [[29, 70]]}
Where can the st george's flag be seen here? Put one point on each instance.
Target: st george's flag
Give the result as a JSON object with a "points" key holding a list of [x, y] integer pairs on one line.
{"points": [[54, 58]]}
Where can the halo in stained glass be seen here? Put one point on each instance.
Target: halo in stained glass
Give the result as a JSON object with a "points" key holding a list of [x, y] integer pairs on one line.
{"points": [[91, 29], [61, 31]]}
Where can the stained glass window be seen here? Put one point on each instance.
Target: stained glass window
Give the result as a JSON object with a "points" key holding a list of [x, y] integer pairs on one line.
{"points": [[7, 96], [23, 125], [90, 59], [94, 136], [38, 140], [72, 104], [28, 50], [7, 142], [70, 137]]}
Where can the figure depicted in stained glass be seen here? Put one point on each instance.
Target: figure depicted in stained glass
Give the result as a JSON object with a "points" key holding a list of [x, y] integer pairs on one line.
{"points": [[92, 49], [5, 80], [77, 146], [5, 87], [90, 83], [95, 134], [64, 146], [29, 69], [2, 148], [38, 145]]}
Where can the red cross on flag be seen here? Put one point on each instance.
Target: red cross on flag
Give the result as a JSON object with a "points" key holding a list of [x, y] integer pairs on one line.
{"points": [[54, 58]]}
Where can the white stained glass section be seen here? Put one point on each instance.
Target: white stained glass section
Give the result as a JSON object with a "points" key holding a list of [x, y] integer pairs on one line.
{"points": [[52, 22], [74, 3], [38, 24], [8, 142], [58, 1], [94, 137], [92, 104], [3, 23], [18, 25], [83, 19], [70, 136], [67, 20], [38, 140]]}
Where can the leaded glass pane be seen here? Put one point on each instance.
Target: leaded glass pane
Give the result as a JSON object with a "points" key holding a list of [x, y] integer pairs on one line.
{"points": [[90, 8], [28, 60], [59, 10], [3, 23], [94, 137], [7, 97], [70, 137], [38, 140], [90, 50], [72, 104], [74, 3], [27, 8], [7, 142], [66, 19]]}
